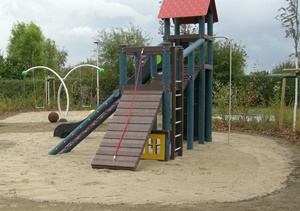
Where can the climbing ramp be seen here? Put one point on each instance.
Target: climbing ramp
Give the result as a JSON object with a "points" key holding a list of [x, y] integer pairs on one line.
{"points": [[143, 114]]}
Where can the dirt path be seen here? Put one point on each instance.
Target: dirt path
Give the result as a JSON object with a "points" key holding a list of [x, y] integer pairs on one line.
{"points": [[283, 198]]}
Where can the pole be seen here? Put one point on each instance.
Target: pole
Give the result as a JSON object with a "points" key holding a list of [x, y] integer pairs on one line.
{"points": [[209, 80], [296, 97], [201, 87], [166, 109], [230, 79], [123, 66], [48, 89], [98, 89], [296, 64], [190, 101]]}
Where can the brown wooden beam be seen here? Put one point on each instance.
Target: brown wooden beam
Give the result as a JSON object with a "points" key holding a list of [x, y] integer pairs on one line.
{"points": [[149, 50], [187, 38]]}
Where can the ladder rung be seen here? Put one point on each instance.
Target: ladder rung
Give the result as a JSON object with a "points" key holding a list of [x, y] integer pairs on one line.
{"points": [[178, 122], [178, 135], [177, 149], [177, 109], [178, 95]]}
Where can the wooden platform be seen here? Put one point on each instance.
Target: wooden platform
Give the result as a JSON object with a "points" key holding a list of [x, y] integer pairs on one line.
{"points": [[140, 125]]}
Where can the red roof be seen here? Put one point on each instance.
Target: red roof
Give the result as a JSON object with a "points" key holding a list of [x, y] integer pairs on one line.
{"points": [[189, 10]]}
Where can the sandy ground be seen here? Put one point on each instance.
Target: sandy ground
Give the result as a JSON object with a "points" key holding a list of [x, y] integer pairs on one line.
{"points": [[250, 167]]}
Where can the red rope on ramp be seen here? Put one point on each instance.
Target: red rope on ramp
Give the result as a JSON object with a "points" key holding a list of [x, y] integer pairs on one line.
{"points": [[131, 106]]}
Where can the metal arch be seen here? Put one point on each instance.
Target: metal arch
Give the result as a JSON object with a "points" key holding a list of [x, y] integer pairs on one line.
{"points": [[64, 78], [62, 84]]}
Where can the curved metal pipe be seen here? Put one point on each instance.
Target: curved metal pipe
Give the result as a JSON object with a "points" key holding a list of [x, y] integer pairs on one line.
{"points": [[61, 80], [64, 78]]}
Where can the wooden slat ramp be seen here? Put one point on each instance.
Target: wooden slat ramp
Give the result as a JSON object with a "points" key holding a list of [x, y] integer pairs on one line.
{"points": [[141, 121]]}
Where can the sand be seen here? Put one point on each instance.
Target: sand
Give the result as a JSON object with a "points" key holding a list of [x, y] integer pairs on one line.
{"points": [[251, 166]]}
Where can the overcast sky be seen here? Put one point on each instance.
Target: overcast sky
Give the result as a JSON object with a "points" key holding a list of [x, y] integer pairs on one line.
{"points": [[72, 24]]}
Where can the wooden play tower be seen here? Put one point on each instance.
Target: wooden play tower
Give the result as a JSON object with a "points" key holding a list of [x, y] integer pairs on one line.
{"points": [[180, 78]]}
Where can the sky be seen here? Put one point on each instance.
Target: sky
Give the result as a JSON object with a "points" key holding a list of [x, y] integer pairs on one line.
{"points": [[73, 25]]}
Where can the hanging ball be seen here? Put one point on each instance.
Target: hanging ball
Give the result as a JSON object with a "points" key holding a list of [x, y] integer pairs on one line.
{"points": [[90, 112], [101, 70], [24, 73], [53, 117]]}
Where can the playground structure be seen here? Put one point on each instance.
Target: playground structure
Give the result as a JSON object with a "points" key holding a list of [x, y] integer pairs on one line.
{"points": [[62, 85], [184, 91]]}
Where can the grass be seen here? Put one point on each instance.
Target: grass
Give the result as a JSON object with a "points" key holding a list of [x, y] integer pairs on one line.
{"points": [[266, 125]]}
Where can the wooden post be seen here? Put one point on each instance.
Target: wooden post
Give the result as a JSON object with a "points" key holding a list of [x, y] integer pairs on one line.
{"points": [[201, 87], [166, 109], [123, 67], [282, 105], [209, 82]]}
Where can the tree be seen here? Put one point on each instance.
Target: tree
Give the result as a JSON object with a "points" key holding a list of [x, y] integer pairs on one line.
{"points": [[11, 68], [289, 19], [28, 47], [52, 56], [62, 56], [277, 69], [109, 41], [26, 44], [221, 60]]}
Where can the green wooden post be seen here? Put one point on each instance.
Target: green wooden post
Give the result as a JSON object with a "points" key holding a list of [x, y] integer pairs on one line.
{"points": [[167, 27], [123, 67], [209, 80], [153, 73], [166, 82], [137, 64], [177, 29], [153, 65], [201, 87], [166, 97], [190, 101]]}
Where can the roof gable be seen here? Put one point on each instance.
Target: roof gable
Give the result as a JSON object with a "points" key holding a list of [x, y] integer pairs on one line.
{"points": [[187, 9]]}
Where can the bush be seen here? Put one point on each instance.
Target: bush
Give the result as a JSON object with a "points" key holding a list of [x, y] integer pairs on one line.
{"points": [[28, 94]]}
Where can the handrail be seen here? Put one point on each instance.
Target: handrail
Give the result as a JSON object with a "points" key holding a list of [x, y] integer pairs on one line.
{"points": [[193, 47]]}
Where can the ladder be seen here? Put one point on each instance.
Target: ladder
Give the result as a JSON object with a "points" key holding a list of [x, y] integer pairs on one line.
{"points": [[177, 111]]}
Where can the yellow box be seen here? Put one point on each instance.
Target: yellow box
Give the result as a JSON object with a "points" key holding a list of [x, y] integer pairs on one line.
{"points": [[155, 147]]}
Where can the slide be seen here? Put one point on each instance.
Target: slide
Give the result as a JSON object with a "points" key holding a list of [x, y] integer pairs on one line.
{"points": [[124, 141]]}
